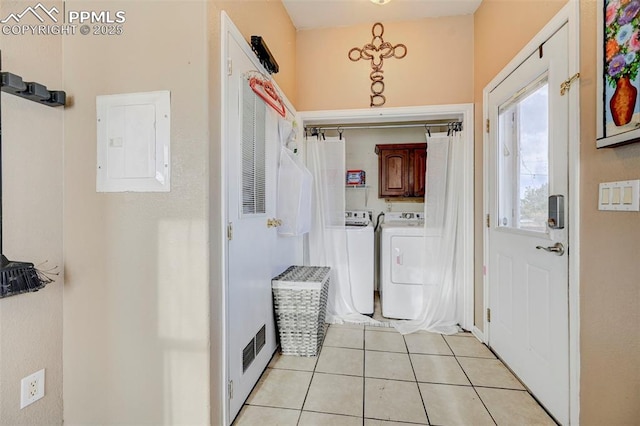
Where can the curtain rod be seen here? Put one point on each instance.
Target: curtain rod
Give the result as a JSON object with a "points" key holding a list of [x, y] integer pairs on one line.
{"points": [[452, 125]]}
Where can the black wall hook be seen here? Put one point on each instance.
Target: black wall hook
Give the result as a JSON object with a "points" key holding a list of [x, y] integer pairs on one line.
{"points": [[30, 90]]}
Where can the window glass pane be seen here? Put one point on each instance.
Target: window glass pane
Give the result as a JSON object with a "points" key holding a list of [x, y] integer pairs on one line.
{"points": [[523, 152]]}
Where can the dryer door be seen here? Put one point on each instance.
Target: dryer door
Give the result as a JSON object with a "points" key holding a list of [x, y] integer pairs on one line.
{"points": [[407, 252]]}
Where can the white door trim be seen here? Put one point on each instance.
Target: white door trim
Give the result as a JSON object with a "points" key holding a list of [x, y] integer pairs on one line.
{"points": [[570, 15], [463, 112]]}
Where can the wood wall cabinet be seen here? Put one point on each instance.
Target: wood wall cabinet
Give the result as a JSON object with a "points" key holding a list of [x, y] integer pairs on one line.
{"points": [[401, 170]]}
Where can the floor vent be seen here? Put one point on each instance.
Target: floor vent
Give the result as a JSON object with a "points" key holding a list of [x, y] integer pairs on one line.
{"points": [[248, 355], [261, 338]]}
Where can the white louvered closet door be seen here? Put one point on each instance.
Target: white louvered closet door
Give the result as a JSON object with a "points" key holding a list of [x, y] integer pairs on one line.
{"points": [[255, 251], [251, 192]]}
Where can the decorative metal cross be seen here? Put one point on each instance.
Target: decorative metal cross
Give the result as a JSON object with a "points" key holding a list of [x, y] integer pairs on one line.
{"points": [[377, 51]]}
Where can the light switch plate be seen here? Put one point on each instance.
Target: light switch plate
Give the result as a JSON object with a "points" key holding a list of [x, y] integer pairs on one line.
{"points": [[620, 196]]}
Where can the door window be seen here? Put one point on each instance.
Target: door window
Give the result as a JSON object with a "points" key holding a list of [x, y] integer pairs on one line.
{"points": [[523, 158]]}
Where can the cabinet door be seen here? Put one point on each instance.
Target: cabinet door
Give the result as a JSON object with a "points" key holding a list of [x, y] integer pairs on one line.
{"points": [[393, 167], [419, 171]]}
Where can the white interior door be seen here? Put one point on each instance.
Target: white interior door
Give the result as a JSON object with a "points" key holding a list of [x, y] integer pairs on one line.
{"points": [[255, 251], [528, 285]]}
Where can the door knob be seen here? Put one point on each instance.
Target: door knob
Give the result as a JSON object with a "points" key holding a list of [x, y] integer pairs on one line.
{"points": [[273, 223], [557, 248]]}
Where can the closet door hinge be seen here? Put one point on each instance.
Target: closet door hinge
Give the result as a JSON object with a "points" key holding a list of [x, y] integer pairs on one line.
{"points": [[488, 125], [488, 221], [488, 314], [566, 85], [230, 231], [230, 389], [229, 67]]}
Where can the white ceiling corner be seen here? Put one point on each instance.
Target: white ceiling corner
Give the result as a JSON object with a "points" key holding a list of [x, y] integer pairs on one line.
{"points": [[309, 14]]}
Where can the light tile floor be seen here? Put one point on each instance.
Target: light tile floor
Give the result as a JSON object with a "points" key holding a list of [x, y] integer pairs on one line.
{"points": [[372, 376]]}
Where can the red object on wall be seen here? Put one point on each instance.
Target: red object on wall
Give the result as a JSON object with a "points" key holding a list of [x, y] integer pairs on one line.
{"points": [[623, 102], [356, 177]]}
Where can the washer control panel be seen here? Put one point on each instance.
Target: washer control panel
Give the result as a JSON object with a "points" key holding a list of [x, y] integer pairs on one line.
{"points": [[357, 218]]}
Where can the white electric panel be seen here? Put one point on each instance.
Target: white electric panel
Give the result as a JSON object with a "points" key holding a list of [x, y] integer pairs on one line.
{"points": [[134, 142], [621, 196]]}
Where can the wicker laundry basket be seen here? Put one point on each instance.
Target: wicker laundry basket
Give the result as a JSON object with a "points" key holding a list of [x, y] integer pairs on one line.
{"points": [[300, 303]]}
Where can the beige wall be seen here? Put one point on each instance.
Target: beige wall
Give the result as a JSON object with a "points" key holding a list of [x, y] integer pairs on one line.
{"points": [[31, 324], [609, 270], [438, 68], [136, 331], [270, 20], [501, 30]]}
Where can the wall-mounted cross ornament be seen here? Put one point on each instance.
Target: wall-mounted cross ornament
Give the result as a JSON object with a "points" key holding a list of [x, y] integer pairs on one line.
{"points": [[377, 51]]}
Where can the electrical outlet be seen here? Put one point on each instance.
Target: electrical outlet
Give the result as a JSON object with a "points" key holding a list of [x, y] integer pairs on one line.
{"points": [[31, 388]]}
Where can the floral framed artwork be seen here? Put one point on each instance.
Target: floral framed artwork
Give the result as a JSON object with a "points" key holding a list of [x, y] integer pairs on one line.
{"points": [[618, 78]]}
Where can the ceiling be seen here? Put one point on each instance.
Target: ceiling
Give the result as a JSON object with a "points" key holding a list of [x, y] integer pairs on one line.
{"points": [[307, 14]]}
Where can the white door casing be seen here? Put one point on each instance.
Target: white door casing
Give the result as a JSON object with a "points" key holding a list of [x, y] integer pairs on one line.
{"points": [[528, 286]]}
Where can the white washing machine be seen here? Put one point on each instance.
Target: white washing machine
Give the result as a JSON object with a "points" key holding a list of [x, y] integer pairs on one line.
{"points": [[402, 255], [360, 248]]}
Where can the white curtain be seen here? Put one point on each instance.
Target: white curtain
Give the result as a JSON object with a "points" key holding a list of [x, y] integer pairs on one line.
{"points": [[328, 236], [442, 200], [293, 206]]}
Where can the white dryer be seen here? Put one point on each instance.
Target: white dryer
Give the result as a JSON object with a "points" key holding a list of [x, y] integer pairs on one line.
{"points": [[360, 250], [402, 259]]}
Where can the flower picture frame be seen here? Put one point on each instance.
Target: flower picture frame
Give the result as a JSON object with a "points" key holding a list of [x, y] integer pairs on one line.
{"points": [[618, 119]]}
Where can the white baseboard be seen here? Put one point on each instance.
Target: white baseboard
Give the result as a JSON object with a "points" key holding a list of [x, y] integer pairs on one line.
{"points": [[479, 334]]}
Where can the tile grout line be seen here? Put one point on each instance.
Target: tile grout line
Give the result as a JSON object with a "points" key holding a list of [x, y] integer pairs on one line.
{"points": [[269, 406], [313, 373], [403, 423], [472, 385], [502, 388], [415, 376], [373, 350], [342, 374], [330, 414], [364, 366]]}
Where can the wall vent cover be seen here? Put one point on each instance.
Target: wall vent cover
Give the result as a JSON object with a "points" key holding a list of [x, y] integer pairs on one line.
{"points": [[261, 339], [248, 355]]}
